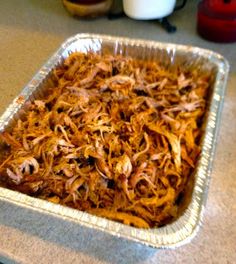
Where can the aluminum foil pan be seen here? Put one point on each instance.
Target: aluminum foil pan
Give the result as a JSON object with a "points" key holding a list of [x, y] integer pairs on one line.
{"points": [[187, 225]]}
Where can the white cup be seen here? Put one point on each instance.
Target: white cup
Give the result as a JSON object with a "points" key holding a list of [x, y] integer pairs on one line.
{"points": [[148, 9]]}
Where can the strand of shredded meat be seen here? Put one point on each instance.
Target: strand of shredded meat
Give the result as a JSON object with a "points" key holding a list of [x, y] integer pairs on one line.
{"points": [[115, 136]]}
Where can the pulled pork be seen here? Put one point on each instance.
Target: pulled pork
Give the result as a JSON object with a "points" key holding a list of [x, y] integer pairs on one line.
{"points": [[116, 137]]}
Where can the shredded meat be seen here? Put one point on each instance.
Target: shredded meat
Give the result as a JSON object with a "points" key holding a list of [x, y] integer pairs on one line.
{"points": [[116, 137]]}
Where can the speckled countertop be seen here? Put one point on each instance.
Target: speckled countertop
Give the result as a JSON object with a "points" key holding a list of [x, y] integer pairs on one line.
{"points": [[30, 31]]}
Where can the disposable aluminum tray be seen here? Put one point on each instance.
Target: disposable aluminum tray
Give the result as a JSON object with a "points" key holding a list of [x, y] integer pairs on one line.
{"points": [[186, 226]]}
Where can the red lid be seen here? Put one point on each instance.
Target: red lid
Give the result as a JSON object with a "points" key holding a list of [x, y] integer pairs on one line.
{"points": [[221, 8], [217, 20]]}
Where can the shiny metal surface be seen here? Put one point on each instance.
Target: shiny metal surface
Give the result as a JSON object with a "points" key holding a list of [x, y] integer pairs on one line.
{"points": [[186, 226]]}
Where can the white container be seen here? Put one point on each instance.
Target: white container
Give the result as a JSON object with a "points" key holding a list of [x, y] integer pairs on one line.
{"points": [[148, 9]]}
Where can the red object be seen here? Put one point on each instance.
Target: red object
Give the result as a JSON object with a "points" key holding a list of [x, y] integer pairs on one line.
{"points": [[217, 20]]}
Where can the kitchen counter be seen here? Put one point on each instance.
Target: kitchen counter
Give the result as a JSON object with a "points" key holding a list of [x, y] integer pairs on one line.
{"points": [[30, 31]]}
